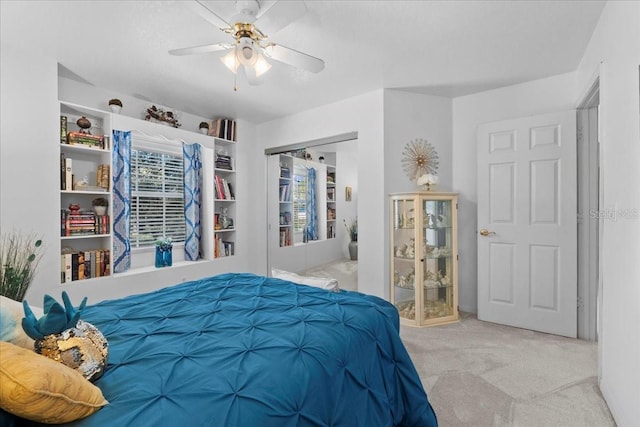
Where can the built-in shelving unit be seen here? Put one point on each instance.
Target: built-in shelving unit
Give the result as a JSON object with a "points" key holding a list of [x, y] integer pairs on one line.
{"points": [[285, 200], [85, 175], [225, 198], [331, 202]]}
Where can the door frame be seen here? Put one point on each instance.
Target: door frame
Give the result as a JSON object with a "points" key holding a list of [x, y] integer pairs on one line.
{"points": [[589, 201]]}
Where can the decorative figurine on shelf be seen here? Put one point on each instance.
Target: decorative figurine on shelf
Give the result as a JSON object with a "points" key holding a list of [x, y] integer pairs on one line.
{"points": [[402, 252], [84, 124], [428, 181], [443, 279], [204, 128], [224, 218], [411, 249], [155, 114], [74, 208], [100, 205], [115, 105]]}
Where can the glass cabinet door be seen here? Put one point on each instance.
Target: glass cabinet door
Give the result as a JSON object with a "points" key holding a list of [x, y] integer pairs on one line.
{"points": [[424, 260], [403, 257], [438, 248]]}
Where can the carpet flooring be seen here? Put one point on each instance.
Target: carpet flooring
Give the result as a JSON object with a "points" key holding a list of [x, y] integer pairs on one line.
{"points": [[483, 374]]}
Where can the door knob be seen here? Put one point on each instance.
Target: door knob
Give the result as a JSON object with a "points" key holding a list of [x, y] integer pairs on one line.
{"points": [[484, 232]]}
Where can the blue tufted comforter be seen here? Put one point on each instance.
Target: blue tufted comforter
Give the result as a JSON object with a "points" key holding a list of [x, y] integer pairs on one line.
{"points": [[245, 350]]}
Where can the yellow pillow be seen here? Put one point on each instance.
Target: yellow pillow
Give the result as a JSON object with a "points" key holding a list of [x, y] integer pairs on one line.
{"points": [[40, 389]]}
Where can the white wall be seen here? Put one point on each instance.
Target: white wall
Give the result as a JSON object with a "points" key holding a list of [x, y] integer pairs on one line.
{"points": [[537, 97], [29, 149], [409, 116], [346, 175], [363, 114], [614, 54]]}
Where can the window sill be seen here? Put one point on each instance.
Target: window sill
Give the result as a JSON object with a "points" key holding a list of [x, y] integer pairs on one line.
{"points": [[148, 269]]}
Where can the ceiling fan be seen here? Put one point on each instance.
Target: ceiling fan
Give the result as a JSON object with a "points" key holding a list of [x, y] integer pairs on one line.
{"points": [[250, 48]]}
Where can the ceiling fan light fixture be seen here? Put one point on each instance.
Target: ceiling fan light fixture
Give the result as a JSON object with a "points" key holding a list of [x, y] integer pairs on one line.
{"points": [[262, 65], [230, 60]]}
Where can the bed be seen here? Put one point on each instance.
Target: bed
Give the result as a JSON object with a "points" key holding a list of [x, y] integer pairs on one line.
{"points": [[246, 350]]}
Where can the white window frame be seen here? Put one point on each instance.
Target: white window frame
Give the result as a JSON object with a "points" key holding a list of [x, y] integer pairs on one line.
{"points": [[150, 144]]}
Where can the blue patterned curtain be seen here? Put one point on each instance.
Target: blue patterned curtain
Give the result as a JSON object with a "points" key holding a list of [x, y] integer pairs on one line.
{"points": [[312, 209], [121, 200], [192, 162]]}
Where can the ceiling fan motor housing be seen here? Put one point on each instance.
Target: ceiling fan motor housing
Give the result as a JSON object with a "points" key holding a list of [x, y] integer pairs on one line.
{"points": [[246, 11]]}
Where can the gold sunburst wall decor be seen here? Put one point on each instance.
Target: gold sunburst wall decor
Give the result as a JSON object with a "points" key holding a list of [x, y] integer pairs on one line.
{"points": [[419, 158]]}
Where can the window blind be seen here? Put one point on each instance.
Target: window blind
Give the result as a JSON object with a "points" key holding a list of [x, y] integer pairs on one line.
{"points": [[157, 197]]}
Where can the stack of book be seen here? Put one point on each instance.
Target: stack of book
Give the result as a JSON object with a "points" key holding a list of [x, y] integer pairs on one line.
{"points": [[223, 189], [223, 162], [285, 237], [284, 172], [81, 265], [223, 128], [103, 176], [83, 223], [331, 231], [222, 248], [95, 141], [285, 193]]}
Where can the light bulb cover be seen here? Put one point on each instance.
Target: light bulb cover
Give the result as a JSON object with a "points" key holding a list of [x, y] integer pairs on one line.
{"points": [[230, 60], [261, 66]]}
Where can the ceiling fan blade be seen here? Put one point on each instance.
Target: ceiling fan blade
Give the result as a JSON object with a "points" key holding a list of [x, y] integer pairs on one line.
{"points": [[293, 57], [196, 50], [279, 15], [201, 9]]}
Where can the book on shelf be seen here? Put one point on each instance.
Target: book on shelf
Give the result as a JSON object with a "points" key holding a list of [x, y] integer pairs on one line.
{"points": [[233, 196], [63, 172], [228, 248], [331, 231], [223, 189], [86, 139], [331, 194], [285, 236], [63, 129], [103, 176], [284, 193], [284, 172], [224, 161], [223, 128], [68, 177], [82, 265], [219, 190], [83, 224], [65, 268]]}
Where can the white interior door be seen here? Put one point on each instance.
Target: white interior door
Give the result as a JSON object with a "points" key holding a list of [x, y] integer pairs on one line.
{"points": [[527, 258]]}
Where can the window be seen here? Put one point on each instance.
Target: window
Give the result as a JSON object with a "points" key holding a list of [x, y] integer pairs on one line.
{"points": [[157, 197]]}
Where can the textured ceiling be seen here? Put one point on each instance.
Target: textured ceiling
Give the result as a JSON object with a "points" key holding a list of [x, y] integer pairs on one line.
{"points": [[446, 48]]}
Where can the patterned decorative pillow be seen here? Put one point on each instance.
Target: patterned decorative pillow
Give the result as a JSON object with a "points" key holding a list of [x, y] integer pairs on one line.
{"points": [[40, 389], [319, 282], [11, 314]]}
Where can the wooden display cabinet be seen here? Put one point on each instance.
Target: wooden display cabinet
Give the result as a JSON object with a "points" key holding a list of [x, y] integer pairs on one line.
{"points": [[424, 257]]}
